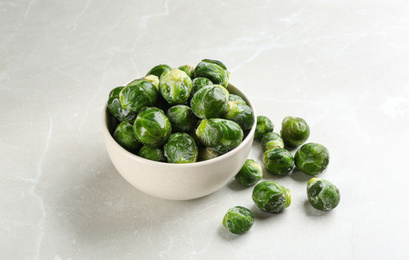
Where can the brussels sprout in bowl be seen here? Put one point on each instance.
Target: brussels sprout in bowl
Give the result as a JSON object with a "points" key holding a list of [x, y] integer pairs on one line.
{"points": [[178, 181]]}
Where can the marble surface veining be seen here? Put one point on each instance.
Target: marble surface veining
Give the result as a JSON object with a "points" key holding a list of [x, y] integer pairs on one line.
{"points": [[340, 65]]}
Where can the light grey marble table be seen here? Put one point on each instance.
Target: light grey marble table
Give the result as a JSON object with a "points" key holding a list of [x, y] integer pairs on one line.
{"points": [[340, 65]]}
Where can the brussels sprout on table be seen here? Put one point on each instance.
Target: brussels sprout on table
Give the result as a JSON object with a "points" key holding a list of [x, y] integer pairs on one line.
{"points": [[271, 197], [250, 173], [188, 69], [264, 126], [138, 94], [154, 154], [182, 118], [210, 102], [220, 135], [205, 153], [312, 158], [240, 113], [175, 86], [125, 137], [214, 70], [238, 220], [152, 127], [322, 194], [294, 131], [158, 70], [234, 97], [199, 83], [181, 148], [271, 141], [278, 161]]}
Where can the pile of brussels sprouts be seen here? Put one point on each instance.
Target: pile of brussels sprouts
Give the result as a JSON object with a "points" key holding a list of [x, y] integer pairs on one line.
{"points": [[310, 158], [180, 115]]}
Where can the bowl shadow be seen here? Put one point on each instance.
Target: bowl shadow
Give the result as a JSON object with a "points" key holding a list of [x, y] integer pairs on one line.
{"points": [[103, 206]]}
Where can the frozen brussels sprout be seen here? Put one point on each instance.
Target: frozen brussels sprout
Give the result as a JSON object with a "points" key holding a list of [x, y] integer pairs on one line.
{"points": [[240, 113], [234, 97], [205, 153], [271, 141], [188, 69], [294, 131], [210, 102], [137, 95], [158, 70], [322, 194], [125, 137], [278, 161], [238, 220], [116, 110], [152, 127], [175, 86], [182, 118], [154, 154], [214, 70], [115, 107], [271, 197], [199, 83], [220, 135], [264, 125], [154, 80], [181, 148], [250, 173], [115, 92], [312, 158]]}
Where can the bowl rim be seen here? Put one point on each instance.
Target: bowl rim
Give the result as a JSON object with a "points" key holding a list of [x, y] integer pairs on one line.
{"points": [[246, 140]]}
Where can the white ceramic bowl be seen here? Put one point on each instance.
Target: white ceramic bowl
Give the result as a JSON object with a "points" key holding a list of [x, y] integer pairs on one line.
{"points": [[178, 181]]}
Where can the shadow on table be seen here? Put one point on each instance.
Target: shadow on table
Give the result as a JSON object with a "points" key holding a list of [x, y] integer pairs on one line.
{"points": [[99, 205], [299, 176], [236, 186], [313, 212]]}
